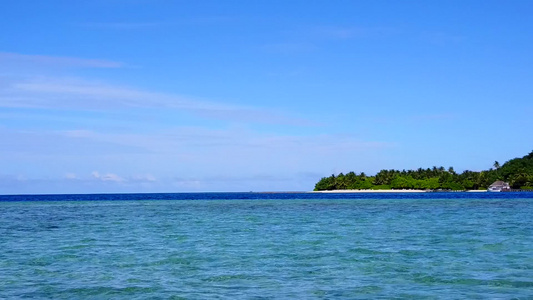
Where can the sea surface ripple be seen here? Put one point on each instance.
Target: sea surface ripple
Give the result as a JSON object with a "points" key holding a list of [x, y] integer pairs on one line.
{"points": [[266, 246]]}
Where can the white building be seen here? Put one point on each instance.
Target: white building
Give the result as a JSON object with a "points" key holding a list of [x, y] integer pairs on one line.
{"points": [[499, 186]]}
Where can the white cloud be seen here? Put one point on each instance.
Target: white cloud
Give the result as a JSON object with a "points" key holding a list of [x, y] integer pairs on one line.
{"points": [[189, 184], [144, 178], [192, 139], [107, 177], [122, 25], [289, 47], [78, 133], [343, 33], [202, 158], [21, 88], [71, 176], [180, 159], [112, 177], [77, 94], [14, 59]]}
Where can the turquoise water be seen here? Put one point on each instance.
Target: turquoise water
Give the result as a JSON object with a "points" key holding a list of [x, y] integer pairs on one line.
{"points": [[437, 247]]}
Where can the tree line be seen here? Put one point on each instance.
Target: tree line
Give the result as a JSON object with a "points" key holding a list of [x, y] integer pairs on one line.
{"points": [[517, 172]]}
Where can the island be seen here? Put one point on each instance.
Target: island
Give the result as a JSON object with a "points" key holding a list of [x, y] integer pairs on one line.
{"points": [[514, 175]]}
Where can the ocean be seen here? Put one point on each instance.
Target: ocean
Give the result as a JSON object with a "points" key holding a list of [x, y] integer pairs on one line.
{"points": [[267, 246]]}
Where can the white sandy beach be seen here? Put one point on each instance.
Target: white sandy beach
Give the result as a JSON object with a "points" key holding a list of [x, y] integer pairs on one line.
{"points": [[371, 191], [387, 191]]}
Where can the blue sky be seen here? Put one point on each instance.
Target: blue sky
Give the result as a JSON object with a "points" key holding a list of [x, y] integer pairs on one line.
{"points": [[180, 96]]}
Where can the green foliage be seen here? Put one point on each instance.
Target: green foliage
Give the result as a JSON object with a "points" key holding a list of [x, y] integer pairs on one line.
{"points": [[518, 172], [381, 187]]}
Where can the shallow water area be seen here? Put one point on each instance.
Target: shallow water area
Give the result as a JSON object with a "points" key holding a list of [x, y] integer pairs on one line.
{"points": [[252, 245]]}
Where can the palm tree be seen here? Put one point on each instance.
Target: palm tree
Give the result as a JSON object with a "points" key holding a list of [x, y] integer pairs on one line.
{"points": [[496, 165]]}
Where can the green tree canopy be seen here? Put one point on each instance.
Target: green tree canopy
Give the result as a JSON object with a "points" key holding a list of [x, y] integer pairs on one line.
{"points": [[518, 172]]}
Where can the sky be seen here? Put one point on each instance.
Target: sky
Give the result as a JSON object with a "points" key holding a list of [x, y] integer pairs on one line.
{"points": [[114, 96]]}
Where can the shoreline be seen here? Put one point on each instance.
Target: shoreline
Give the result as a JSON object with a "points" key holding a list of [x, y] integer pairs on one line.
{"points": [[395, 191]]}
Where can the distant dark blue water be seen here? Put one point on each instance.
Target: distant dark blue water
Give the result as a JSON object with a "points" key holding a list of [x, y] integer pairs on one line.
{"points": [[255, 245], [264, 196]]}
